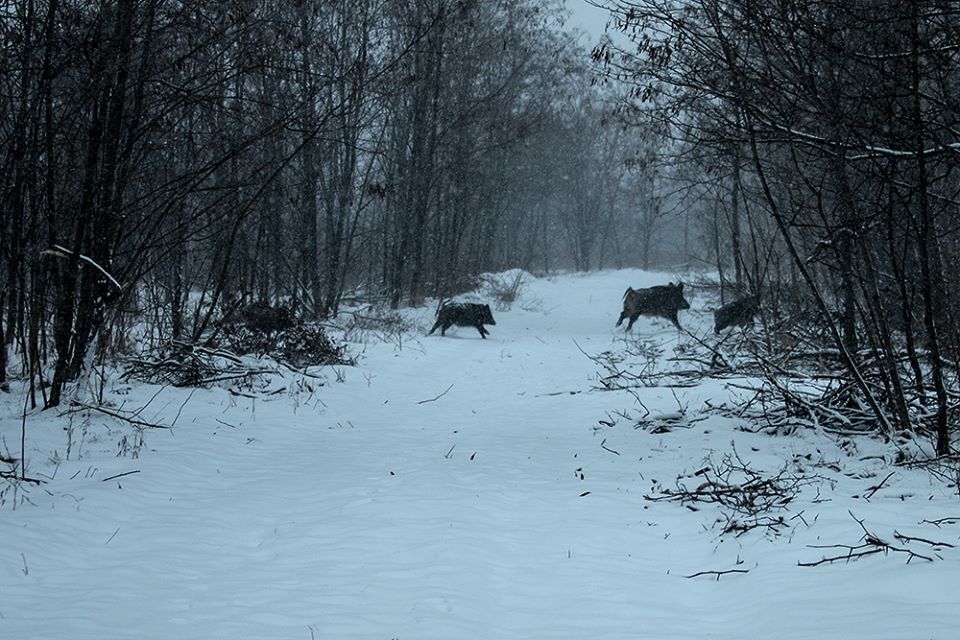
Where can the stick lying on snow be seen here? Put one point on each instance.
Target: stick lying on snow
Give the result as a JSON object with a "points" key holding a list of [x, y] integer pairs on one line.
{"points": [[436, 397]]}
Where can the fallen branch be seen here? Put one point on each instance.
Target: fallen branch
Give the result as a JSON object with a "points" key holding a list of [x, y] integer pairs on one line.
{"points": [[604, 446], [853, 554], [436, 397], [558, 393], [907, 539], [717, 573], [748, 498], [873, 490], [871, 544], [120, 475], [940, 521]]}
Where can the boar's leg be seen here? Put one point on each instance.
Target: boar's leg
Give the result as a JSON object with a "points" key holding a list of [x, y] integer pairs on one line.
{"points": [[633, 319], [674, 320], [436, 325], [483, 331], [623, 315]]}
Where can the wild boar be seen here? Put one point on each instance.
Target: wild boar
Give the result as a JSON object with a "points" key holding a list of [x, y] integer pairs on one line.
{"points": [[463, 314], [736, 314], [662, 300], [263, 318]]}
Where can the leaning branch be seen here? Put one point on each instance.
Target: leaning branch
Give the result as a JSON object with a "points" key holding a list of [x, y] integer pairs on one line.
{"points": [[82, 406], [799, 262], [63, 252]]}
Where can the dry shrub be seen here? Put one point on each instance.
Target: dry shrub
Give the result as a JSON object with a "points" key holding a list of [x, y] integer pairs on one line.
{"points": [[503, 290], [298, 345]]}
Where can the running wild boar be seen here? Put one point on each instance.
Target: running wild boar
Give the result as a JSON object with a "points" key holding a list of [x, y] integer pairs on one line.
{"points": [[463, 314], [738, 313], [663, 300]]}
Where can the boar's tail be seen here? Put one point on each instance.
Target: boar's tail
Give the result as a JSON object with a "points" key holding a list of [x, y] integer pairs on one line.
{"points": [[440, 303], [627, 292]]}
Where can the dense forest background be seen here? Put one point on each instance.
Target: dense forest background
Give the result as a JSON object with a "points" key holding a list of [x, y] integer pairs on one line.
{"points": [[165, 157], [164, 160]]}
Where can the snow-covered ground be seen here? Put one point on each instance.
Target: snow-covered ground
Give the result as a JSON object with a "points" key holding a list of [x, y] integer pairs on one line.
{"points": [[454, 487]]}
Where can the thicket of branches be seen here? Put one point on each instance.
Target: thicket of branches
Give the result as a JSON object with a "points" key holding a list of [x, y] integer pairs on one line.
{"points": [[823, 136], [160, 158]]}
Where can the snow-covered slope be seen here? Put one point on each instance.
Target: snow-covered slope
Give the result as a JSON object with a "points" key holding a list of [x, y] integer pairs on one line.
{"points": [[454, 487]]}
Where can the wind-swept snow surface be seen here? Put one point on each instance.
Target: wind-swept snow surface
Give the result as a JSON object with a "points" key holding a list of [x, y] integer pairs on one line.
{"points": [[454, 487]]}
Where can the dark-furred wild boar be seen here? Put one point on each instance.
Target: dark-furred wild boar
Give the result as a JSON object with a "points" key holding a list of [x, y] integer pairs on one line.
{"points": [[663, 300], [463, 314], [738, 313], [263, 317]]}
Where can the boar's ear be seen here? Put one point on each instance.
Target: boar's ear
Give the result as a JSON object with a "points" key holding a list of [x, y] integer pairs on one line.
{"points": [[679, 285]]}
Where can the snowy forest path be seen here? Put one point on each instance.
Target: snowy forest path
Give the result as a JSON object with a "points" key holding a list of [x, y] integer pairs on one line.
{"points": [[454, 487]]}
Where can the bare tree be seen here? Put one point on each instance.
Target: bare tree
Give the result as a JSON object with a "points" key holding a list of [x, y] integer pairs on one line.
{"points": [[848, 140]]}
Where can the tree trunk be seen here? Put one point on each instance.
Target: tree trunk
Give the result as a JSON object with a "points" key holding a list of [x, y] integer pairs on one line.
{"points": [[928, 246]]}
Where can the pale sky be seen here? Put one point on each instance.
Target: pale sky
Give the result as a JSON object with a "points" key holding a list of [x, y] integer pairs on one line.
{"points": [[587, 17]]}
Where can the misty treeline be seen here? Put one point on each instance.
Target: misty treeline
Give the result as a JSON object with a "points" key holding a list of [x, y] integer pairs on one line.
{"points": [[163, 161], [821, 137]]}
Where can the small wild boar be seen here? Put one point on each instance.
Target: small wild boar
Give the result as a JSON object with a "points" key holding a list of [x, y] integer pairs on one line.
{"points": [[463, 314], [736, 314], [663, 300]]}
